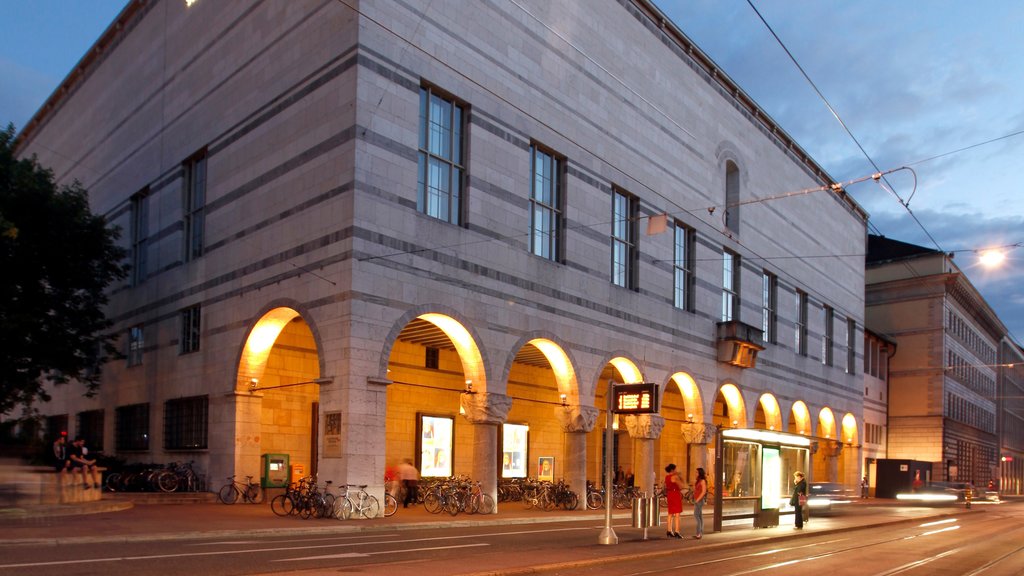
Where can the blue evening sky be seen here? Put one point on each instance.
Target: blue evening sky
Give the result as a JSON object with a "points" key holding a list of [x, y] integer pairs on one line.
{"points": [[911, 79]]}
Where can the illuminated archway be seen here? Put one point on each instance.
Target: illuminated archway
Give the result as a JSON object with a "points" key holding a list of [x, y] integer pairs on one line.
{"points": [[769, 415], [472, 361], [691, 396], [827, 424], [280, 369], [730, 410], [565, 375], [800, 419], [850, 431], [259, 344]]}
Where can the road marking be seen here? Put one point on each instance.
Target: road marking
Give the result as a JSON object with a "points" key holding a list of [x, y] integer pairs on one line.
{"points": [[277, 549], [366, 554], [279, 540]]}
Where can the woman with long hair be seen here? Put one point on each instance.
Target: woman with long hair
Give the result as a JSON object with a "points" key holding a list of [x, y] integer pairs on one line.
{"points": [[700, 495]]}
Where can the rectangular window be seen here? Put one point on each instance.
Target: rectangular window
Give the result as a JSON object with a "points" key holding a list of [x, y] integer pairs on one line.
{"points": [[131, 427], [851, 347], [89, 425], [433, 358], [624, 239], [801, 323], [546, 201], [140, 236], [135, 344], [441, 149], [730, 286], [185, 423], [769, 303], [826, 335], [190, 324], [683, 277], [195, 205]]}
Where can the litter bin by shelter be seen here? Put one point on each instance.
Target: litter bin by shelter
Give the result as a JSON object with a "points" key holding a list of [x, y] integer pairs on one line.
{"points": [[275, 471], [646, 513]]}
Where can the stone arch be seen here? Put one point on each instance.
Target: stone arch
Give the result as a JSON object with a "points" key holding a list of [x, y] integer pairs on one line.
{"points": [[266, 328], [458, 328], [800, 419], [827, 424], [560, 359], [768, 414], [850, 430], [730, 408]]}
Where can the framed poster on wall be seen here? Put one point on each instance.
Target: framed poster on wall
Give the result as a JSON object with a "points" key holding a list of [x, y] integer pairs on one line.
{"points": [[514, 455], [332, 435], [436, 439], [546, 468]]}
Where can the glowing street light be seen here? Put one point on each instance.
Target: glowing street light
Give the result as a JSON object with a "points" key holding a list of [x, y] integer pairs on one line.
{"points": [[991, 258]]}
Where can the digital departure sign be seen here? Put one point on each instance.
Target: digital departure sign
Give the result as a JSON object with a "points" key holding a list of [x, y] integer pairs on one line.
{"points": [[635, 398]]}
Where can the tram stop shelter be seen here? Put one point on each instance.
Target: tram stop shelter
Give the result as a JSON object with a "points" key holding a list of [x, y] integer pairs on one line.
{"points": [[754, 475]]}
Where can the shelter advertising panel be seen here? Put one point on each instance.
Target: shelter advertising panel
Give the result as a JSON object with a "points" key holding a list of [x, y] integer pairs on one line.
{"points": [[436, 441], [514, 450]]}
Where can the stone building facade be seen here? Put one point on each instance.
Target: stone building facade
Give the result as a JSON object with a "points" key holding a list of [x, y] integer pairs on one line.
{"points": [[943, 379], [369, 231]]}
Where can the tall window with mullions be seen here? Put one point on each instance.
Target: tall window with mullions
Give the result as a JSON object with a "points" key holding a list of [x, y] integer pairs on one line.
{"points": [[682, 266], [546, 201], [131, 427], [186, 423], [624, 239], [441, 152]]}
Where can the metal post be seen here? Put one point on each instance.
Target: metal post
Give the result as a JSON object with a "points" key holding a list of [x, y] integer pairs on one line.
{"points": [[607, 536]]}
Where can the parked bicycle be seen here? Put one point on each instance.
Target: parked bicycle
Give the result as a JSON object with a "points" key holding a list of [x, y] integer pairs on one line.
{"points": [[249, 491], [356, 502]]}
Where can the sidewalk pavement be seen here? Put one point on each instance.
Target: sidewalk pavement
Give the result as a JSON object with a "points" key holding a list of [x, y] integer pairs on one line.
{"points": [[118, 520]]}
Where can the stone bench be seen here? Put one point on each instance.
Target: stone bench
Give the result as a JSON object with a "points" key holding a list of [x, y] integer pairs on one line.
{"points": [[34, 485]]}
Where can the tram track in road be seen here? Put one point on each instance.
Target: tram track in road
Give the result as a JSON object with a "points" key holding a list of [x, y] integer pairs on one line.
{"points": [[792, 558]]}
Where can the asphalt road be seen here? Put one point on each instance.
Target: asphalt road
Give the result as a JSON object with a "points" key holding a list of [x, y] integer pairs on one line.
{"points": [[958, 544], [991, 544]]}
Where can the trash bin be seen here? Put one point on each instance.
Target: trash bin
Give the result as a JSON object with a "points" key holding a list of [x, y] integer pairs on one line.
{"points": [[646, 512], [275, 471]]}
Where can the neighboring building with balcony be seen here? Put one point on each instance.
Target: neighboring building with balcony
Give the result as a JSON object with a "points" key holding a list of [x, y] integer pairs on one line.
{"points": [[943, 381], [398, 231]]}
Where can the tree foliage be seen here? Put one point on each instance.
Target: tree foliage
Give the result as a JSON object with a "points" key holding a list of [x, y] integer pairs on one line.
{"points": [[56, 260]]}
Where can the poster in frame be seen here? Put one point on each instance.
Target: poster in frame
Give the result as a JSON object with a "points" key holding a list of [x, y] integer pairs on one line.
{"points": [[435, 439], [514, 450], [546, 468]]}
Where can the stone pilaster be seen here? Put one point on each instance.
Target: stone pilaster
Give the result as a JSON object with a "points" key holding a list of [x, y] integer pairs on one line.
{"points": [[576, 423], [485, 411], [645, 429]]}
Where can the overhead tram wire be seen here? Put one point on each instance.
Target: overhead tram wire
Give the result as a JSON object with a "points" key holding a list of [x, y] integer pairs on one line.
{"points": [[839, 119]]}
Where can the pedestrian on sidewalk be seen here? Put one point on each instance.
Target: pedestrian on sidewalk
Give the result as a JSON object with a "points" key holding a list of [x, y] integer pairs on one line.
{"points": [[799, 499], [60, 456], [674, 496], [410, 478], [700, 496]]}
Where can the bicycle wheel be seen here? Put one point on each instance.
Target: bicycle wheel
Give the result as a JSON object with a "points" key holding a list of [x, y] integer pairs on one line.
{"points": [[370, 507], [254, 494], [454, 504], [485, 504], [342, 508], [570, 501], [167, 481], [390, 505], [113, 482], [594, 500], [432, 504], [281, 505], [228, 494]]}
